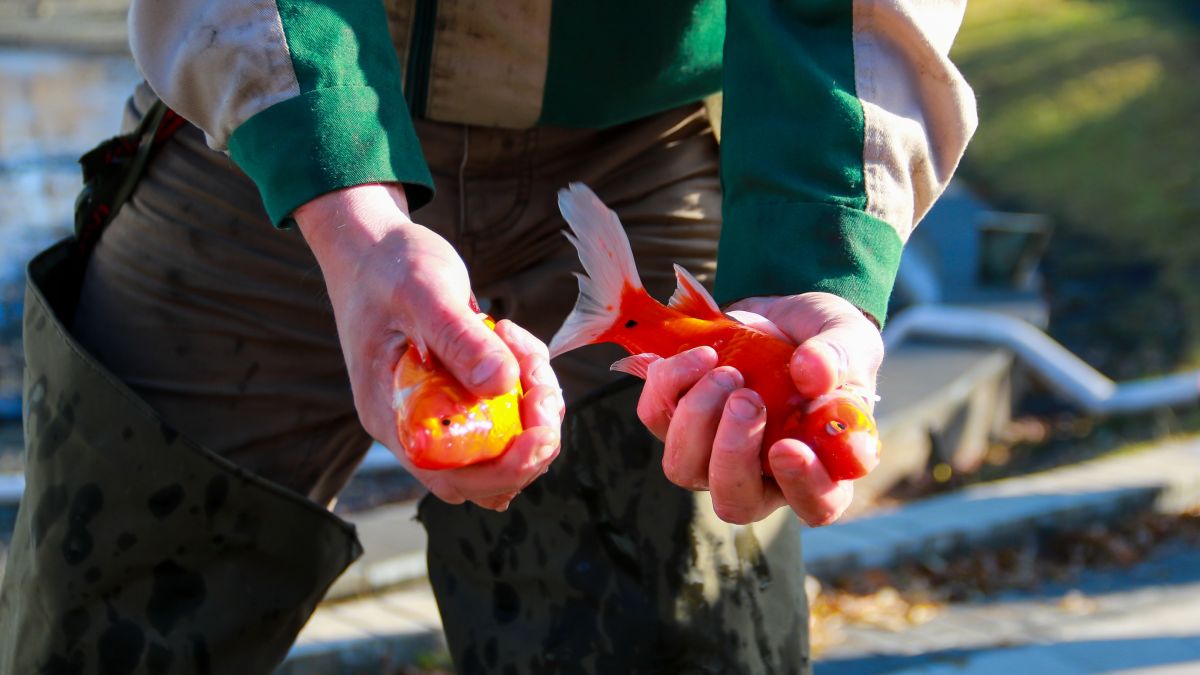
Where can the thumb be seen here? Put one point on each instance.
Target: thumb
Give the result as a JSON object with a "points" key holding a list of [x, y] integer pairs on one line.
{"points": [[846, 351], [472, 352]]}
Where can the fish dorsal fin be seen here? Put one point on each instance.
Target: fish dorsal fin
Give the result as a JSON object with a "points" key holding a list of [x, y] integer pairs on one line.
{"points": [[760, 322], [691, 298], [637, 365]]}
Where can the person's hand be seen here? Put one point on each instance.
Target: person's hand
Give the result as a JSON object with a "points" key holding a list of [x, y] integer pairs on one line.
{"points": [[713, 427], [391, 281]]}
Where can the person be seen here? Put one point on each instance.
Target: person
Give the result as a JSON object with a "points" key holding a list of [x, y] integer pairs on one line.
{"points": [[198, 396]]}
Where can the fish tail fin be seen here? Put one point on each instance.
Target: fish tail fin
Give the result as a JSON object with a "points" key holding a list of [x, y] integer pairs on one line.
{"points": [[608, 265]]}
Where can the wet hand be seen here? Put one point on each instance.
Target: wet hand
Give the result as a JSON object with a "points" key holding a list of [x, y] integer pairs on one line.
{"points": [[712, 427], [390, 281]]}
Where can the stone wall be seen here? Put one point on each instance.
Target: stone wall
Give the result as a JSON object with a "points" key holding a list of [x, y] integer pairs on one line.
{"points": [[56, 105]]}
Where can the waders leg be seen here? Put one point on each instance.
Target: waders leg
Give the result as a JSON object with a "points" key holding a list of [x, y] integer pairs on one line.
{"points": [[137, 550], [603, 566]]}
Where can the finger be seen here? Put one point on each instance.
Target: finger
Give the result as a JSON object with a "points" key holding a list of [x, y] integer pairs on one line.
{"points": [[499, 503], [666, 380], [532, 355], [472, 352], [735, 479], [532, 451], [849, 350], [542, 406], [689, 440], [809, 490]]}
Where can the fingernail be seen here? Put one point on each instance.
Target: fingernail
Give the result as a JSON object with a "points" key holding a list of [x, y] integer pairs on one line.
{"points": [[550, 407], [743, 408], [485, 368], [726, 379], [546, 452]]}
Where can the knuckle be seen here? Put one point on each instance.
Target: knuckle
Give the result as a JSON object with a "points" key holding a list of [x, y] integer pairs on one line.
{"points": [[678, 472], [655, 414], [454, 340]]}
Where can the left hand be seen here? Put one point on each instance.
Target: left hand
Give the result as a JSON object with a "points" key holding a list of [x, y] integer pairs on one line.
{"points": [[713, 427]]}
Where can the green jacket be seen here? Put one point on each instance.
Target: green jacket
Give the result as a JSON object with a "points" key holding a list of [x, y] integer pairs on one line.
{"points": [[843, 120]]}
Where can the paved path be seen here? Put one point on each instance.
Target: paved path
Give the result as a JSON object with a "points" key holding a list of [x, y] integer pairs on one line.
{"points": [[1149, 616], [1145, 619]]}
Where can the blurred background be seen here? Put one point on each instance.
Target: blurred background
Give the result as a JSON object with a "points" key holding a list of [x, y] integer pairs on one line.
{"points": [[1076, 211]]}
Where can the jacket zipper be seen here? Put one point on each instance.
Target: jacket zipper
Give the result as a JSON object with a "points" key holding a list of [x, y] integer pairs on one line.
{"points": [[420, 56]]}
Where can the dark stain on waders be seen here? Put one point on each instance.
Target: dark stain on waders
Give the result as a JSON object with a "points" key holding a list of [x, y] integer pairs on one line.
{"points": [[51, 506], [506, 604], [508, 538], [491, 653], [200, 655], [125, 541], [120, 646], [165, 500], [176, 592], [56, 431], [468, 552], [215, 494], [39, 410], [77, 544], [74, 624], [246, 526], [158, 659], [62, 665]]}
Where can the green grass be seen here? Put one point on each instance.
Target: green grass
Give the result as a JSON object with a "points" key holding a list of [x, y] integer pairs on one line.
{"points": [[1090, 113]]}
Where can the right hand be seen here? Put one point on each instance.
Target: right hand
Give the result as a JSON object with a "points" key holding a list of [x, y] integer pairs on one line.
{"points": [[390, 281]]}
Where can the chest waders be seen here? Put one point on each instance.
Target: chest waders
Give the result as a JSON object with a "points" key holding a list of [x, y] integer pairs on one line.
{"points": [[131, 540]]}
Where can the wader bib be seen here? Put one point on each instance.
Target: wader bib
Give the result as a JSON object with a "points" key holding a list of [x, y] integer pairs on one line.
{"points": [[135, 549]]}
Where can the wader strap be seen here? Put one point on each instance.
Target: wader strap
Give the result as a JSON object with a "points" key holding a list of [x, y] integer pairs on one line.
{"points": [[112, 169]]}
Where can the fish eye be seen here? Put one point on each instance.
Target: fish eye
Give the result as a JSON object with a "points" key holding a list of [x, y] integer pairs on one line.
{"points": [[835, 427], [445, 421]]}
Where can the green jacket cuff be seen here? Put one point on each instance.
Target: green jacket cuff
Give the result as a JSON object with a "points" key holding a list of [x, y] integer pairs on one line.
{"points": [[781, 248], [329, 139]]}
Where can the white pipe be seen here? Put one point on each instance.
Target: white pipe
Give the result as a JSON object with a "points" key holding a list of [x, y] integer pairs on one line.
{"points": [[1067, 374], [12, 486], [379, 458]]}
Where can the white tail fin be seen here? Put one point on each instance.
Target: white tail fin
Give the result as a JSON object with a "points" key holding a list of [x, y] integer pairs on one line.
{"points": [[608, 268]]}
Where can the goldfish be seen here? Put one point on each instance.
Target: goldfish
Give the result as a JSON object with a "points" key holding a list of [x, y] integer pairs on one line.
{"points": [[440, 423], [613, 306]]}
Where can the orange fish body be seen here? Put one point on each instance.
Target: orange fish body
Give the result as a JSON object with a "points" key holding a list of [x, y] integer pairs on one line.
{"points": [[441, 424], [613, 306]]}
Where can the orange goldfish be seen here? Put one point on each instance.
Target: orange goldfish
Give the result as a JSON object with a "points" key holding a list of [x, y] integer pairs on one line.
{"points": [[440, 423], [613, 306]]}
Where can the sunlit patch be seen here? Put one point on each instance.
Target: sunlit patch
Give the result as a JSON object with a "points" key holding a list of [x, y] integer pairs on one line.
{"points": [[401, 395]]}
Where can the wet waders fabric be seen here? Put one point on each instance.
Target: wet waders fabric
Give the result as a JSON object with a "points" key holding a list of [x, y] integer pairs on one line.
{"points": [[603, 566], [135, 550], [196, 306]]}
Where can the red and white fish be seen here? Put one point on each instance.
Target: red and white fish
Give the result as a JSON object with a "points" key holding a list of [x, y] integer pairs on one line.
{"points": [[613, 306], [440, 423]]}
